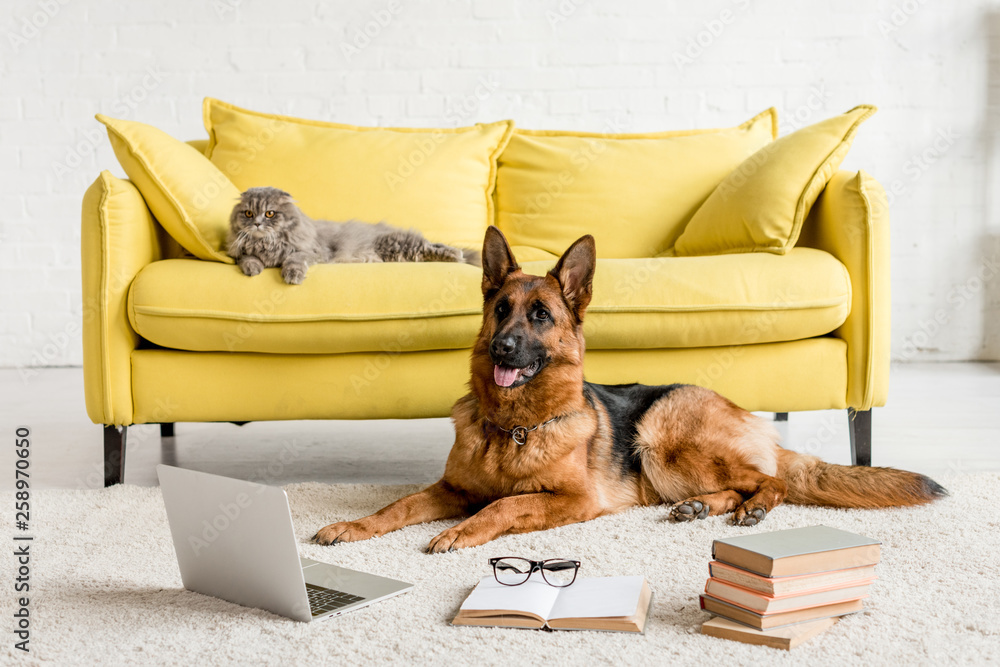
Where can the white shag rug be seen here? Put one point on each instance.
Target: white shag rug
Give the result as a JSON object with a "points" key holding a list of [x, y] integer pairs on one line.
{"points": [[105, 588]]}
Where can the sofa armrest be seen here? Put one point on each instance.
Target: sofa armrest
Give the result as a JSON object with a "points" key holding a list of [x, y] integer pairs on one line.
{"points": [[850, 220], [118, 238]]}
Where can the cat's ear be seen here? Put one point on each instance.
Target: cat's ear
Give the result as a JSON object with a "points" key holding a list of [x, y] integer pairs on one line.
{"points": [[575, 273], [498, 260]]}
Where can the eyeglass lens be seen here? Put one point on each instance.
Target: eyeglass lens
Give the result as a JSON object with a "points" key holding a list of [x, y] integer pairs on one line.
{"points": [[512, 571], [558, 572]]}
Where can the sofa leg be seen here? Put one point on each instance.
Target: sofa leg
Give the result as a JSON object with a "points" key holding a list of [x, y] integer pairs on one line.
{"points": [[167, 430], [114, 455], [860, 422], [780, 416]]}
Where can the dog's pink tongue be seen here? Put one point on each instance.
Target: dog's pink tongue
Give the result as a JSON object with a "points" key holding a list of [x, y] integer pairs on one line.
{"points": [[505, 376]]}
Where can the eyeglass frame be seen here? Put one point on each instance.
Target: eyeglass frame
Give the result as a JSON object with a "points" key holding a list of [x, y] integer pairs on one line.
{"points": [[536, 565]]}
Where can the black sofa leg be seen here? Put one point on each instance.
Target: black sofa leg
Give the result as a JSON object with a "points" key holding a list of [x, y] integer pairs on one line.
{"points": [[114, 455], [780, 416], [860, 422], [167, 430]]}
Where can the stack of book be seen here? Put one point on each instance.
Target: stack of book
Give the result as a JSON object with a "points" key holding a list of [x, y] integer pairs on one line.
{"points": [[782, 588]]}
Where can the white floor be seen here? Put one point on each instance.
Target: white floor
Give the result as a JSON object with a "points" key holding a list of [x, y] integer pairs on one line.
{"points": [[940, 418]]}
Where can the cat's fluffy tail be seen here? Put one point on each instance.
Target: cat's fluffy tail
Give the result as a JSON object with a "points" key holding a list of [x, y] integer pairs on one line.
{"points": [[473, 257]]}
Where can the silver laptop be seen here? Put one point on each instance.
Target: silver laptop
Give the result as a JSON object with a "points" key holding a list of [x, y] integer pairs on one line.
{"points": [[234, 540]]}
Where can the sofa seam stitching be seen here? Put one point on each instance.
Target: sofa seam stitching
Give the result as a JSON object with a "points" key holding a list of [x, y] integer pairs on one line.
{"points": [[105, 355], [869, 311]]}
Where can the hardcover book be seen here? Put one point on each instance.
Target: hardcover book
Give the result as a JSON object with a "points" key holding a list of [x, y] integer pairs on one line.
{"points": [[778, 586], [619, 604], [786, 638], [797, 551], [768, 604], [780, 619]]}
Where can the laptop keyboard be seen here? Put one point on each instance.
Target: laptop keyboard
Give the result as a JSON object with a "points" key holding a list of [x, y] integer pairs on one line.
{"points": [[323, 600]]}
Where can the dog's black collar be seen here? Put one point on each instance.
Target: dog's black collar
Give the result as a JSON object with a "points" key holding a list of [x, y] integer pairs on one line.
{"points": [[519, 434]]}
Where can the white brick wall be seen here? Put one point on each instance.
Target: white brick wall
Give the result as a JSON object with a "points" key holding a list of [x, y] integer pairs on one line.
{"points": [[932, 67]]}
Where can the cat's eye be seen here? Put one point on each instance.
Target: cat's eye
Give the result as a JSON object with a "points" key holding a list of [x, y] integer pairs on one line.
{"points": [[248, 214], [269, 214]]}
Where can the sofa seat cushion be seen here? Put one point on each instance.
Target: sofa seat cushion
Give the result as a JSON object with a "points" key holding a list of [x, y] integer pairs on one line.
{"points": [[638, 304], [190, 305]]}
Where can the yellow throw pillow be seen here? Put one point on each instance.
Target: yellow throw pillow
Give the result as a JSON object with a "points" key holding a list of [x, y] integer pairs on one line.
{"points": [[761, 205], [188, 195], [439, 181], [633, 192]]}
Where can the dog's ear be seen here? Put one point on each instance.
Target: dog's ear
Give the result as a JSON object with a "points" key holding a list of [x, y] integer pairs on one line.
{"points": [[498, 260], [575, 273]]}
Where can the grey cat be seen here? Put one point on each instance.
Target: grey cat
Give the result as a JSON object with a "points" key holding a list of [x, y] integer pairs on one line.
{"points": [[267, 229]]}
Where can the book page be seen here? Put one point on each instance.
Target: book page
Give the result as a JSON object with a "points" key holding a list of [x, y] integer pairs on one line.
{"points": [[534, 596], [598, 597]]}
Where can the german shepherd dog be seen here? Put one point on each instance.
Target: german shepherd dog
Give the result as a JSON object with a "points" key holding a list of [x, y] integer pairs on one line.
{"points": [[536, 446]]}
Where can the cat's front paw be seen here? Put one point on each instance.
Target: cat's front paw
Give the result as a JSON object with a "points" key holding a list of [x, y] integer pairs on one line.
{"points": [[293, 274], [251, 266], [446, 253]]}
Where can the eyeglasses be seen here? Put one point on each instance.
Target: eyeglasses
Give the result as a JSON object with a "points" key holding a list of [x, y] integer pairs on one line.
{"points": [[513, 571]]}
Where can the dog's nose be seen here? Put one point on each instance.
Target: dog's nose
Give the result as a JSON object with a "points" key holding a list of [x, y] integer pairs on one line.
{"points": [[504, 345]]}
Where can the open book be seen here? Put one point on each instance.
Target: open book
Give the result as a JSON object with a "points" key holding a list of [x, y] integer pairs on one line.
{"points": [[601, 603]]}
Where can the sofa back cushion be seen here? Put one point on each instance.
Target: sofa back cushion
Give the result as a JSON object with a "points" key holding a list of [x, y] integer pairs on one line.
{"points": [[439, 181], [633, 192]]}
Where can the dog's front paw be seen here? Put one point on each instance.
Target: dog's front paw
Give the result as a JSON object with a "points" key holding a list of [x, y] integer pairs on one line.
{"points": [[251, 266], [455, 538], [293, 274], [689, 510], [343, 531], [745, 516]]}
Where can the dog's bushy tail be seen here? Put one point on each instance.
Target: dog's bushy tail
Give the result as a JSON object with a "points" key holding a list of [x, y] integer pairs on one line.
{"points": [[812, 481]]}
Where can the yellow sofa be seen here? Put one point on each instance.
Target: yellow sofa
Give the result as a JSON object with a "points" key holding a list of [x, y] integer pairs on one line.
{"points": [[171, 338]]}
